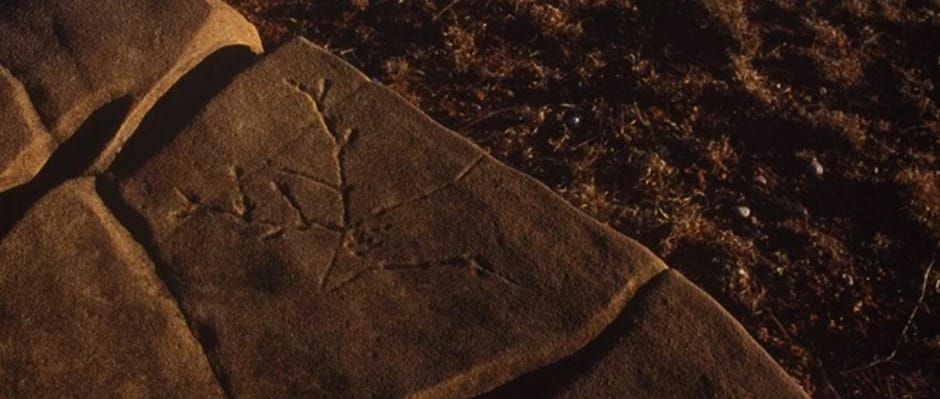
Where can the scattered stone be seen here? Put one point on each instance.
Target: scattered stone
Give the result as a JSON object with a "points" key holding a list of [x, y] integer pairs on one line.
{"points": [[848, 279], [760, 180], [799, 209], [83, 313], [573, 121], [742, 211], [815, 168]]}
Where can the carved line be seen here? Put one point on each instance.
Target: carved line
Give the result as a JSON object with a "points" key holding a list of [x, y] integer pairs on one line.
{"points": [[462, 175], [282, 189], [475, 263], [341, 142], [329, 268], [303, 222], [244, 205], [315, 102], [310, 178], [193, 205]]}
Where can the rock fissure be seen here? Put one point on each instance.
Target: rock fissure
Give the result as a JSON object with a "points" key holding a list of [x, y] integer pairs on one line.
{"points": [[137, 226], [67, 162]]}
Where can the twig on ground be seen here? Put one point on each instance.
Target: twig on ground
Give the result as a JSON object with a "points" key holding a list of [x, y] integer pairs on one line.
{"points": [[822, 369], [443, 10], [907, 325], [486, 116]]}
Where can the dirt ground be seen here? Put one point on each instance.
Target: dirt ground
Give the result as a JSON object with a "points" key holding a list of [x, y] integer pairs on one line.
{"points": [[783, 154]]}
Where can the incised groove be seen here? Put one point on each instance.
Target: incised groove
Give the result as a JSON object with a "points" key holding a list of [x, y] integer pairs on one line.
{"points": [[476, 264], [430, 193], [354, 239], [281, 188], [242, 208], [310, 178], [340, 142]]}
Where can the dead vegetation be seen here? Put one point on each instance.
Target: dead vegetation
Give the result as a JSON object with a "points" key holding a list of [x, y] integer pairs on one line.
{"points": [[663, 117]]}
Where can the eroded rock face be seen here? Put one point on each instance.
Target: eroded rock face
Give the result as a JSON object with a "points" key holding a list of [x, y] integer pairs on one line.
{"points": [[340, 243], [75, 56], [673, 333], [25, 145], [83, 314], [673, 341]]}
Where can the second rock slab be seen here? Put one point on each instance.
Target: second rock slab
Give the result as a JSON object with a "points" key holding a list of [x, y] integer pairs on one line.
{"points": [[338, 242]]}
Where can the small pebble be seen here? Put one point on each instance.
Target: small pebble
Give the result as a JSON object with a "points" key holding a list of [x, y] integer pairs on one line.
{"points": [[573, 121], [742, 211], [761, 180], [933, 343], [848, 279], [815, 168]]}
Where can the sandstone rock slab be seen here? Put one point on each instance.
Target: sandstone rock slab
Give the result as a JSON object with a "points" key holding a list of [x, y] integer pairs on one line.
{"points": [[25, 144], [75, 56], [83, 314], [673, 341], [334, 241]]}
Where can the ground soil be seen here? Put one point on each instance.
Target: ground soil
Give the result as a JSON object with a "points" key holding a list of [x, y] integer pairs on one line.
{"points": [[782, 153]]}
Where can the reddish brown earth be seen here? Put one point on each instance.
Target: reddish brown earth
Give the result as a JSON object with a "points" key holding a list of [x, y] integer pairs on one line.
{"points": [[661, 118]]}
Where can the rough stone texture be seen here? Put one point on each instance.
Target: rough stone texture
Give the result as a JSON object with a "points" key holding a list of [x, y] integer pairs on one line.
{"points": [[673, 341], [75, 56], [83, 314], [24, 142], [334, 241], [680, 343]]}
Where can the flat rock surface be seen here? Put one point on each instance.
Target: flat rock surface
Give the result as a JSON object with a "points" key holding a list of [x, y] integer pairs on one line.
{"points": [[680, 343], [83, 314], [673, 341], [75, 56], [25, 144], [328, 239]]}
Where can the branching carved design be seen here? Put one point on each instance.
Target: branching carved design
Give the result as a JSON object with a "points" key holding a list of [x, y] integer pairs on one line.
{"points": [[353, 237]]}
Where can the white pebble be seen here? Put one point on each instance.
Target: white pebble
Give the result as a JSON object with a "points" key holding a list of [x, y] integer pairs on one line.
{"points": [[815, 168]]}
